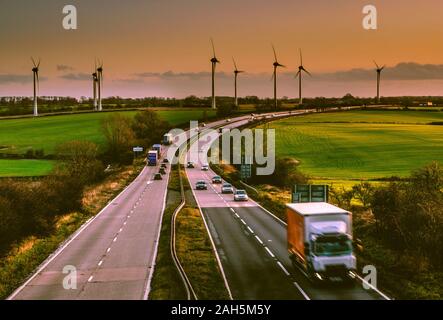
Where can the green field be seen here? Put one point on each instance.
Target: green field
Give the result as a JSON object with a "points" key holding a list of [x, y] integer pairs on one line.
{"points": [[360, 144], [19, 135], [24, 167]]}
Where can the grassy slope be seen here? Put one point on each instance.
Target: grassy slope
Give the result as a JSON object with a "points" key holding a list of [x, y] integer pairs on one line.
{"points": [[360, 150]]}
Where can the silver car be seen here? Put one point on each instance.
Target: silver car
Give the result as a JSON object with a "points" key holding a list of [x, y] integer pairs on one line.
{"points": [[227, 188], [240, 195]]}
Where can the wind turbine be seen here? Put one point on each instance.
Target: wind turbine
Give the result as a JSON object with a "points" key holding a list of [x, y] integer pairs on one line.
{"points": [[214, 62], [379, 70], [36, 83], [276, 64], [94, 86], [236, 72], [100, 85], [301, 69]]}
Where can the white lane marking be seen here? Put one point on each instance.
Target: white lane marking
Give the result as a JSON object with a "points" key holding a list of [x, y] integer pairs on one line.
{"points": [[243, 221], [115, 239], [120, 230], [90, 278], [283, 268], [258, 239], [236, 215], [232, 210], [124, 223], [301, 291], [100, 263], [250, 230], [109, 249], [270, 252]]}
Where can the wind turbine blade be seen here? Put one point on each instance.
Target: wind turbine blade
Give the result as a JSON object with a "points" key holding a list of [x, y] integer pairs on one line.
{"points": [[307, 71], [38, 64], [376, 64], [296, 75], [33, 62], [235, 65], [301, 58], [382, 67], [275, 54], [213, 47]]}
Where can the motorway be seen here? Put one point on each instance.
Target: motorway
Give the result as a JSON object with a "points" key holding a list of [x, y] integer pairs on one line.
{"points": [[114, 252], [252, 249]]}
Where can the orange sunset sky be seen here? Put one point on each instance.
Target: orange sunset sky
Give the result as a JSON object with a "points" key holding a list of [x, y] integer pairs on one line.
{"points": [[162, 48]]}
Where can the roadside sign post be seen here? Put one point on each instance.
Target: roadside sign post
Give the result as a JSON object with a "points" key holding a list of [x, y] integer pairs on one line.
{"points": [[137, 150], [310, 193], [245, 169]]}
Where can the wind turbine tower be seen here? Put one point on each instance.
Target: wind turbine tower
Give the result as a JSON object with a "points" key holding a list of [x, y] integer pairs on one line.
{"points": [[35, 70], [214, 62], [301, 69], [276, 64], [379, 70], [236, 72]]}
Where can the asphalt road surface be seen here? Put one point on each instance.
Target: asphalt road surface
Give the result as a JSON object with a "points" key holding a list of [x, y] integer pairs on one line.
{"points": [[114, 253], [251, 246]]}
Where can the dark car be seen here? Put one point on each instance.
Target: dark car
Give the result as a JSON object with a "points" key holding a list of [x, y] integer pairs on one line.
{"points": [[201, 185], [190, 165], [217, 179], [163, 165], [162, 171], [158, 176], [165, 160]]}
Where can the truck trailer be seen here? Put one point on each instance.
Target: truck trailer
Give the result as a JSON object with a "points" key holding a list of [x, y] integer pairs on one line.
{"points": [[158, 148], [167, 139], [320, 240], [152, 158]]}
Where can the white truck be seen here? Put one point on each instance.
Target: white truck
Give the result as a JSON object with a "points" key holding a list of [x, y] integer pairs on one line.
{"points": [[320, 240]]}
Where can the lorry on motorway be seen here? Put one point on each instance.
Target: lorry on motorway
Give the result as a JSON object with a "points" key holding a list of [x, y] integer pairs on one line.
{"points": [[167, 139], [157, 147], [152, 157], [319, 238]]}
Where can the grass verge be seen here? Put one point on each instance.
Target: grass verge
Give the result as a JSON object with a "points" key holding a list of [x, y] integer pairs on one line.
{"points": [[166, 283], [195, 252]]}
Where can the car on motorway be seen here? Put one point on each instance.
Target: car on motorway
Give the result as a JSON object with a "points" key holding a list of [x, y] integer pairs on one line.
{"points": [[203, 125], [205, 167], [227, 188], [190, 165], [220, 130], [240, 195], [158, 176], [217, 179], [163, 165], [201, 185], [165, 160], [162, 171], [228, 120]]}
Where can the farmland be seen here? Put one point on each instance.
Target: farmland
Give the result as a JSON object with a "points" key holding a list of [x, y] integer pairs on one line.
{"points": [[19, 135], [361, 144]]}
